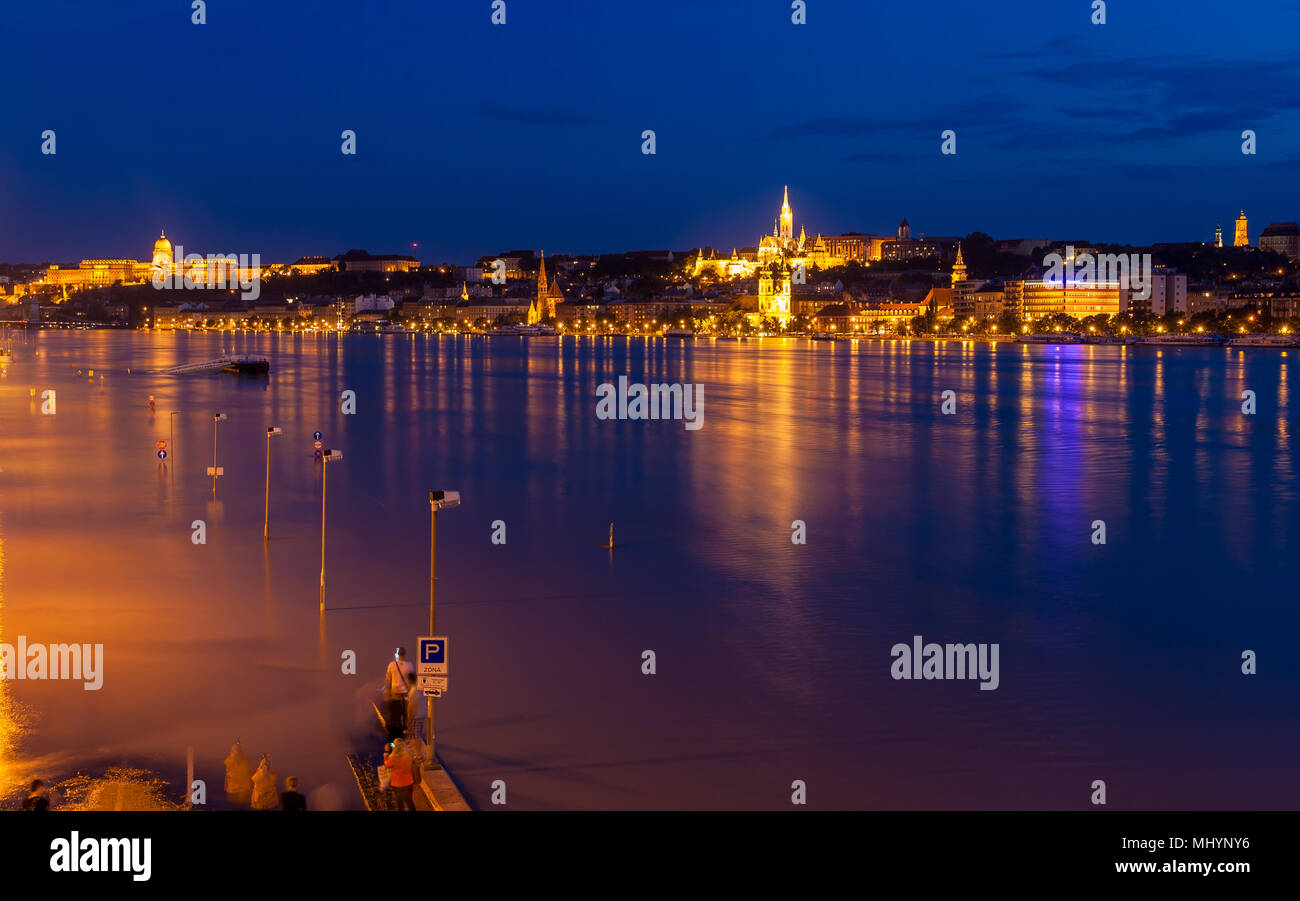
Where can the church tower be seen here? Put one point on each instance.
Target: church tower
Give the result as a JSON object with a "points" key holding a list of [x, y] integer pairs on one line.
{"points": [[774, 299], [1242, 237], [1218, 234], [959, 268], [537, 309], [787, 220], [553, 296]]}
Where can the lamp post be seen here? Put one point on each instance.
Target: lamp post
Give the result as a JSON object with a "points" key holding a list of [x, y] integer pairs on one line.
{"points": [[266, 521], [214, 470], [438, 500], [171, 434], [325, 458], [171, 426]]}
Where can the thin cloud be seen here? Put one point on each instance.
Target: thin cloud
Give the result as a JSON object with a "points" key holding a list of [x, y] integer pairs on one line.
{"points": [[985, 115], [563, 116]]}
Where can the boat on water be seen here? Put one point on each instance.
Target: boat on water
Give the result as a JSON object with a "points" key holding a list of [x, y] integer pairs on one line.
{"points": [[525, 331], [240, 364], [678, 333], [6, 356], [1264, 341], [1051, 338], [247, 365], [1110, 339], [822, 336], [1185, 340]]}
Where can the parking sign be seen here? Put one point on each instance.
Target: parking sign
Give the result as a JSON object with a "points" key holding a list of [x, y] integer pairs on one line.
{"points": [[433, 655]]}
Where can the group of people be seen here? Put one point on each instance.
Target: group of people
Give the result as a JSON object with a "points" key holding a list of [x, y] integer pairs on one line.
{"points": [[245, 788], [403, 752], [406, 709], [256, 790], [405, 717]]}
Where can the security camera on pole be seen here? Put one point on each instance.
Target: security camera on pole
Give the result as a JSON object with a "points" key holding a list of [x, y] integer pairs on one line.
{"points": [[433, 648], [271, 432], [329, 456], [214, 470]]}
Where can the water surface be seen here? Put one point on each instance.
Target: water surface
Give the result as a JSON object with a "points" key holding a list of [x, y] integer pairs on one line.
{"points": [[1118, 662]]}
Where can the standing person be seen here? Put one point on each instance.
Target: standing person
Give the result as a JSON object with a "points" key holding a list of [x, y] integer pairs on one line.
{"points": [[239, 776], [38, 798], [264, 785], [402, 775], [398, 679], [289, 798]]}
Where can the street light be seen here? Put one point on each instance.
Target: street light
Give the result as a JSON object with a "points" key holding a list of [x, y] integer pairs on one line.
{"points": [[326, 458], [266, 522], [171, 426], [438, 500], [214, 470]]}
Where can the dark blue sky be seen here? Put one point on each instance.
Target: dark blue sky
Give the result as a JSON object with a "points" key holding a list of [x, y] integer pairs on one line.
{"points": [[474, 138]]}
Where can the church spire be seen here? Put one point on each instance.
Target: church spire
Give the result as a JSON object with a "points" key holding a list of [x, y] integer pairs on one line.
{"points": [[537, 309], [786, 220]]}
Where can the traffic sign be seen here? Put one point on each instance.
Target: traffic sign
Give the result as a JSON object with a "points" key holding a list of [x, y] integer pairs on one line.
{"points": [[317, 445], [432, 684], [162, 454], [433, 655], [433, 692], [316, 436], [161, 445], [216, 471]]}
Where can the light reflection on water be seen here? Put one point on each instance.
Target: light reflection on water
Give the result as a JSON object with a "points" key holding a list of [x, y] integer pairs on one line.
{"points": [[1119, 662]]}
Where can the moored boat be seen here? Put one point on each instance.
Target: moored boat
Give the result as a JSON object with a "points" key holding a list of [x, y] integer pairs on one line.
{"points": [[1265, 341], [1050, 338], [247, 365], [1185, 340], [1110, 339], [525, 331]]}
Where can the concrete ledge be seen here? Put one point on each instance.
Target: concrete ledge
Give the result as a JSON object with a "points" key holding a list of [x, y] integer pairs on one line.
{"points": [[440, 790]]}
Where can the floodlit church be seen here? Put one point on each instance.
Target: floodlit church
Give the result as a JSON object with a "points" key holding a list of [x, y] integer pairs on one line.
{"points": [[543, 305], [782, 248]]}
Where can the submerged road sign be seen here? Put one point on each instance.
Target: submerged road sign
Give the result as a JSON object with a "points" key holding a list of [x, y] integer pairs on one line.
{"points": [[433, 655]]}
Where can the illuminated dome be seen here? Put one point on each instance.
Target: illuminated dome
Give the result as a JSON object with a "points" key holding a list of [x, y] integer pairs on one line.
{"points": [[162, 247]]}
